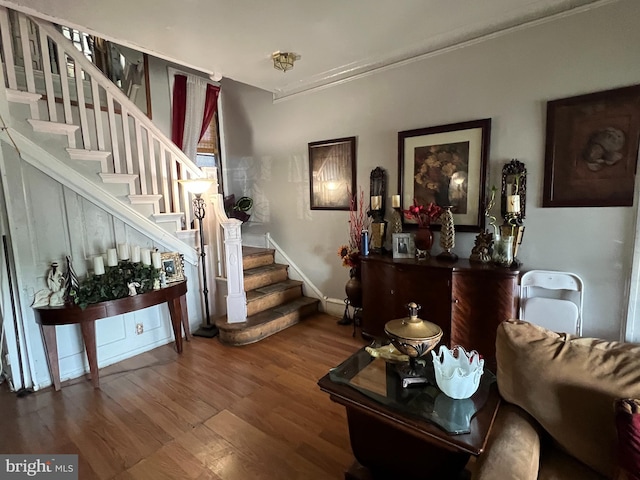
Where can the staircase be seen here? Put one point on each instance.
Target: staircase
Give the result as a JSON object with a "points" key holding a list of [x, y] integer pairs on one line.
{"points": [[274, 302], [70, 121]]}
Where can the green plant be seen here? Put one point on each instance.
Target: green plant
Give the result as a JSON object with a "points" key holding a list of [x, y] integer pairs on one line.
{"points": [[113, 284]]}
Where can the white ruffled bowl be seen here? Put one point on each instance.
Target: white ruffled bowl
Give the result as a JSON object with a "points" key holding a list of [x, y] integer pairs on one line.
{"points": [[457, 372]]}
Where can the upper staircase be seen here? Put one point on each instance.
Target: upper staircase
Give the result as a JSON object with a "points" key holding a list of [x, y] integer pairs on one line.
{"points": [[95, 140], [274, 302]]}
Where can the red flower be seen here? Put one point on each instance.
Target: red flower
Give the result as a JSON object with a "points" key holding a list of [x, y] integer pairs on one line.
{"points": [[421, 214]]}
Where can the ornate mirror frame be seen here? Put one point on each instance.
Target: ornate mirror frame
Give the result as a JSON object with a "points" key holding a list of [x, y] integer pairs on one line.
{"points": [[514, 183]]}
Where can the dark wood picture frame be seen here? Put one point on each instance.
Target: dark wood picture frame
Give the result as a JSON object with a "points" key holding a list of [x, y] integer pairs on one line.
{"points": [[446, 165], [592, 149], [332, 174]]}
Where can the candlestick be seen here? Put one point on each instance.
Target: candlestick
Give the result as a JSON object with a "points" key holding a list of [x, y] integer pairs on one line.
{"points": [[513, 203], [135, 253], [98, 265], [112, 257], [123, 251], [395, 201], [145, 256], [156, 260]]}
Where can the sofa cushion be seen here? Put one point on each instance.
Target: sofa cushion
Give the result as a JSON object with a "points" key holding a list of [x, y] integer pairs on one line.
{"points": [[569, 385]]}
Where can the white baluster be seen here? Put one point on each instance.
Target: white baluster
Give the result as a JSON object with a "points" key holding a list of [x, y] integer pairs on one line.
{"points": [[7, 47], [164, 179], [82, 108], [127, 138], [97, 111], [48, 77], [152, 163], [28, 63], [115, 147], [141, 163], [64, 84]]}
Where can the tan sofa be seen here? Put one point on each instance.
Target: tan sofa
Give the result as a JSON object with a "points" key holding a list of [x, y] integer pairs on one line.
{"points": [[558, 419]]}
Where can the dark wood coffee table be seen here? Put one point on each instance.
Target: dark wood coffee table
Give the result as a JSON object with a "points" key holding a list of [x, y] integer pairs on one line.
{"points": [[394, 431]]}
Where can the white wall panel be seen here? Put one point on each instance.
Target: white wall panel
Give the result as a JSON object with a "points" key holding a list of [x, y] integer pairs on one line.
{"points": [[48, 221]]}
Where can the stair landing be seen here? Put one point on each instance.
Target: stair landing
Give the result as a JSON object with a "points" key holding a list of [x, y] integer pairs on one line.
{"points": [[274, 302]]}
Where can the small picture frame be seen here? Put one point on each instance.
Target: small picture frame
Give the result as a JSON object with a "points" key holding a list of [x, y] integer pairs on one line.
{"points": [[172, 266], [403, 245]]}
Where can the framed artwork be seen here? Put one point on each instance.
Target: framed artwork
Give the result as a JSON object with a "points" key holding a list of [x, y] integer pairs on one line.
{"points": [[332, 173], [446, 165], [592, 149], [172, 266], [403, 245]]}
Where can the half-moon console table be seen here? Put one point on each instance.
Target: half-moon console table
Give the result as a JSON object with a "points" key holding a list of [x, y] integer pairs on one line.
{"points": [[49, 317]]}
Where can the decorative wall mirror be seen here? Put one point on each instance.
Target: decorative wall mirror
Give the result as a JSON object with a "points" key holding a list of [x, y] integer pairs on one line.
{"points": [[514, 192]]}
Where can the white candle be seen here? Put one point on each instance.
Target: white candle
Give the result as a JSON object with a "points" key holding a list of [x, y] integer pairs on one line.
{"points": [[376, 202], [135, 253], [98, 265], [123, 251], [145, 256], [513, 203], [112, 257], [395, 201], [156, 260]]}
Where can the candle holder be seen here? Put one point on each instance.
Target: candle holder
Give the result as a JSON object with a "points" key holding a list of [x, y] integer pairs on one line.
{"points": [[514, 196]]}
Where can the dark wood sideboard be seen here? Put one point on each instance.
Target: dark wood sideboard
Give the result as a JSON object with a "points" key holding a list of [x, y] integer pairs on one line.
{"points": [[467, 300]]}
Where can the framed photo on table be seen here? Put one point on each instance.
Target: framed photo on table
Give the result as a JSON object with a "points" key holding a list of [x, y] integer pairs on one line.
{"points": [[332, 173], [446, 165], [592, 149], [403, 245], [172, 266]]}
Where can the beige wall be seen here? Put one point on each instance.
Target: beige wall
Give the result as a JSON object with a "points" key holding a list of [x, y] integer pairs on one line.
{"points": [[509, 78]]}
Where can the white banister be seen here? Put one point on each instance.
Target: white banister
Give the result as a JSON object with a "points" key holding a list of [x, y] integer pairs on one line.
{"points": [[48, 80], [7, 48], [236, 296], [82, 108]]}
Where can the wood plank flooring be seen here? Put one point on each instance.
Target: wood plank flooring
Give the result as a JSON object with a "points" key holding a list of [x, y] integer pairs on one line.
{"points": [[214, 412]]}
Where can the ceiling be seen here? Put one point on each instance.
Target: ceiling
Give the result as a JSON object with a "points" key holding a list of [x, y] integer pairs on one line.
{"points": [[336, 39]]}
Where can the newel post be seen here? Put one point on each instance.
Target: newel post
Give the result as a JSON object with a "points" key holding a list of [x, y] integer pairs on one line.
{"points": [[236, 297]]}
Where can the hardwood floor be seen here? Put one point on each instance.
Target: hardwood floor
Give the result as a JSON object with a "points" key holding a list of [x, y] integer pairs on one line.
{"points": [[214, 412]]}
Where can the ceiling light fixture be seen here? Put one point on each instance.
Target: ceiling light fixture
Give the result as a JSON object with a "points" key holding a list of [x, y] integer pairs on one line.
{"points": [[284, 60]]}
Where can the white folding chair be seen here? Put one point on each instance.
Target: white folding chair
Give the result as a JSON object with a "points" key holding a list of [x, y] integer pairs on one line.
{"points": [[552, 300]]}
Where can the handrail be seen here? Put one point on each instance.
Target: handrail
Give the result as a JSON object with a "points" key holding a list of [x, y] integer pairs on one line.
{"points": [[131, 107], [138, 148]]}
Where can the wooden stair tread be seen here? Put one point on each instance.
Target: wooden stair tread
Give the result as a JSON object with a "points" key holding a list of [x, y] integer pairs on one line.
{"points": [[268, 315], [253, 257], [253, 251], [264, 269], [273, 288], [269, 322]]}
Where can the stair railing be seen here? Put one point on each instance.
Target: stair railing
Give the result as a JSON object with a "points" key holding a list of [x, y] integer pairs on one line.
{"points": [[136, 145], [138, 148]]}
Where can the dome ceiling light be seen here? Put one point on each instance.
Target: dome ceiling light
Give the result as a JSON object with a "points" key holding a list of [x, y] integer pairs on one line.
{"points": [[284, 60]]}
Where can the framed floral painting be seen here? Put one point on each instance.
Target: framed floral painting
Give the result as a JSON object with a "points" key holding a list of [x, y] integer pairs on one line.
{"points": [[446, 165]]}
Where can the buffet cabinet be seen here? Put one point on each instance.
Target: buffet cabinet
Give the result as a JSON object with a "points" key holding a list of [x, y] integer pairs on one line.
{"points": [[467, 300]]}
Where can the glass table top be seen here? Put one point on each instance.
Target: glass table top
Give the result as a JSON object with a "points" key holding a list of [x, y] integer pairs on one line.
{"points": [[380, 380]]}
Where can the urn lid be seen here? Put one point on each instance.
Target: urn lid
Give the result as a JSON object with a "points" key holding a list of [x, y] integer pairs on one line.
{"points": [[412, 327]]}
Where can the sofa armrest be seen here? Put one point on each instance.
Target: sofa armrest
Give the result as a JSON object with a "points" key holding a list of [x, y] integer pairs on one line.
{"points": [[513, 448]]}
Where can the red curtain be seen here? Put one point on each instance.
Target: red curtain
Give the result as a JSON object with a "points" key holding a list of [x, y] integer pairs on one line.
{"points": [[210, 107], [179, 109]]}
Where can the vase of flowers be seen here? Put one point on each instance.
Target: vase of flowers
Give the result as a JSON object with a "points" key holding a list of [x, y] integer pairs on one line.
{"points": [[350, 254], [423, 216], [353, 288]]}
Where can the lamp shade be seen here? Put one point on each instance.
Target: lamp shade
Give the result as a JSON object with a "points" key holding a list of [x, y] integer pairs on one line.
{"points": [[197, 186]]}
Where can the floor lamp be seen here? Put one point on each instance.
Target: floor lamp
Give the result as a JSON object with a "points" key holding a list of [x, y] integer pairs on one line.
{"points": [[198, 186]]}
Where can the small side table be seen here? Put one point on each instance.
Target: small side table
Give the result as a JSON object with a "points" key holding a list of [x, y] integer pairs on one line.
{"points": [[50, 317]]}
